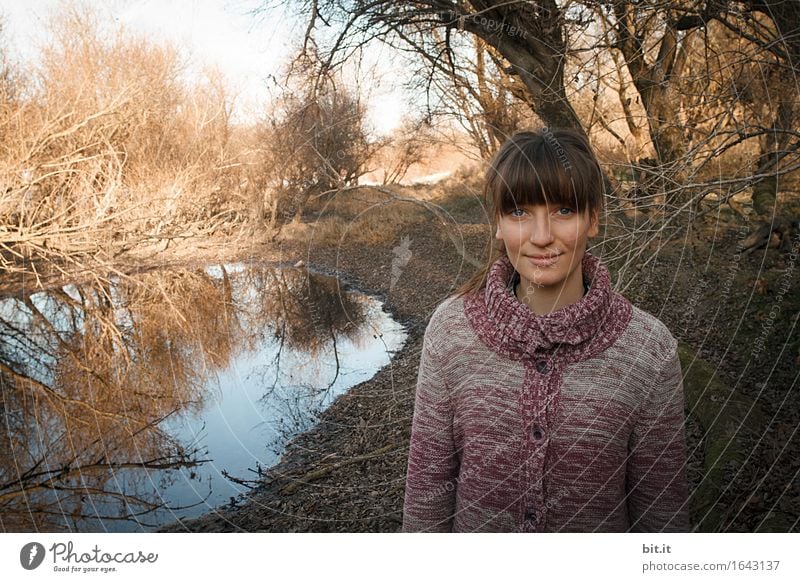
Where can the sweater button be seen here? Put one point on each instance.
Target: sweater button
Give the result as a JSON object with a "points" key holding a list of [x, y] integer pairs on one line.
{"points": [[530, 514], [538, 432], [541, 367]]}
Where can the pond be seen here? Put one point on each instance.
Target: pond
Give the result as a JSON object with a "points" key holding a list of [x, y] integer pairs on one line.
{"points": [[133, 402]]}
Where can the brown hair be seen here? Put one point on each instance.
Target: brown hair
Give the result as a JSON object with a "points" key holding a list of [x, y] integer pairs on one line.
{"points": [[538, 167]]}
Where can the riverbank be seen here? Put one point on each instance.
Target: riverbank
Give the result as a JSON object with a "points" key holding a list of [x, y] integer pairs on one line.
{"points": [[348, 472]]}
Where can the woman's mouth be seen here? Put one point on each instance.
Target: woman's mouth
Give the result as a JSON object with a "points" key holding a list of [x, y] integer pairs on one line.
{"points": [[543, 260]]}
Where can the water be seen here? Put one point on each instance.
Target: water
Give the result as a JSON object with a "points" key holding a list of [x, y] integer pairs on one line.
{"points": [[131, 404]]}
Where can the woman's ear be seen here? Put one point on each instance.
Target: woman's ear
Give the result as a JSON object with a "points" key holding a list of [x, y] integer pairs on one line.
{"points": [[497, 234]]}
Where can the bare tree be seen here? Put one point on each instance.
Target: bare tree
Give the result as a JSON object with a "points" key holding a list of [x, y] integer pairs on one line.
{"points": [[641, 29], [408, 145], [314, 141], [530, 36], [532, 41], [783, 42], [488, 102]]}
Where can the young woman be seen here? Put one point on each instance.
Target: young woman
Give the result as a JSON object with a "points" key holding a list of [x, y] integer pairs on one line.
{"points": [[545, 401]]}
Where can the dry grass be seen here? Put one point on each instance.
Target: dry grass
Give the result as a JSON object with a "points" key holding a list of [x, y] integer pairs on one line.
{"points": [[363, 216], [105, 146]]}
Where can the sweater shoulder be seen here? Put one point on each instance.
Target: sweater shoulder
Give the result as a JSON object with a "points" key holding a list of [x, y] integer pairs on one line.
{"points": [[641, 354], [446, 315], [649, 333], [447, 323]]}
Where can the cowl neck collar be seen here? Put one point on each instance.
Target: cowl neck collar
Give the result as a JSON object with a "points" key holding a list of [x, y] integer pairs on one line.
{"points": [[582, 328]]}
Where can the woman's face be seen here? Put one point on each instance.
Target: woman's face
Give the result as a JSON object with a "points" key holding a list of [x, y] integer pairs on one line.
{"points": [[546, 243]]}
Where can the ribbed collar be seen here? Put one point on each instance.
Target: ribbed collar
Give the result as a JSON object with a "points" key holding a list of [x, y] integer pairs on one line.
{"points": [[585, 327]]}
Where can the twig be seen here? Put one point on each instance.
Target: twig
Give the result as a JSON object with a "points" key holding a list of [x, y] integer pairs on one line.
{"points": [[323, 471]]}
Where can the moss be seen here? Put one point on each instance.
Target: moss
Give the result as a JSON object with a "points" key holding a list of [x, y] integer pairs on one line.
{"points": [[727, 418]]}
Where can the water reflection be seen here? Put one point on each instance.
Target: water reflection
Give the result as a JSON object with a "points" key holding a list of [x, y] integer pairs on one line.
{"points": [[155, 397]]}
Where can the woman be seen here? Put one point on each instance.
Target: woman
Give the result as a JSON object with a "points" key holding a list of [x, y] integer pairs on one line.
{"points": [[545, 401]]}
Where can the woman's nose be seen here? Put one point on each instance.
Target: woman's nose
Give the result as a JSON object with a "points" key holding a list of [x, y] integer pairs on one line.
{"points": [[540, 234]]}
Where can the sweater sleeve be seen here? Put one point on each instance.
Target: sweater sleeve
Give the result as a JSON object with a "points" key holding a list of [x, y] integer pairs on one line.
{"points": [[431, 479], [656, 481]]}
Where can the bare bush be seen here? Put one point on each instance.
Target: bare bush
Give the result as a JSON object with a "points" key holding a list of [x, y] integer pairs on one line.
{"points": [[106, 146], [410, 144], [314, 141]]}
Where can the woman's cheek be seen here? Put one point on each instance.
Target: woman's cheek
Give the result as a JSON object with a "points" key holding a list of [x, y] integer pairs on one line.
{"points": [[514, 234], [569, 234]]}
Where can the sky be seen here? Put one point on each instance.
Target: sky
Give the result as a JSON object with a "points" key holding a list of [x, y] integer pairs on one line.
{"points": [[246, 47]]}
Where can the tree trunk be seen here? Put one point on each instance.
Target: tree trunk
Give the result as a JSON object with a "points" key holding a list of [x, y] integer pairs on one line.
{"points": [[765, 190], [536, 54]]}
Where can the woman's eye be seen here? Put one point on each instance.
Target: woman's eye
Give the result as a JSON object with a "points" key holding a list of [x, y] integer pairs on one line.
{"points": [[517, 210], [563, 208]]}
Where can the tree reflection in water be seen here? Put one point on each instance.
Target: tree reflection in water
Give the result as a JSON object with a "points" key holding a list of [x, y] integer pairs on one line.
{"points": [[92, 376]]}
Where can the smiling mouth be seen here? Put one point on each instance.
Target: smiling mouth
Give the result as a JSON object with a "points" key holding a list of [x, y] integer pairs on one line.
{"points": [[545, 262]]}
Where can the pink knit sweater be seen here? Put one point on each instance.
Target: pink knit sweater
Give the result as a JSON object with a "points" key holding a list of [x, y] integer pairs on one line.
{"points": [[570, 421]]}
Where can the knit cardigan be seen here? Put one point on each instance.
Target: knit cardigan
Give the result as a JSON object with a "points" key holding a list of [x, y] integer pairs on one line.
{"points": [[571, 421]]}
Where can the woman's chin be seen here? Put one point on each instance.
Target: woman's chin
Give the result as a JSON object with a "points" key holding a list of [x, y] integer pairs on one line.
{"points": [[542, 280]]}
